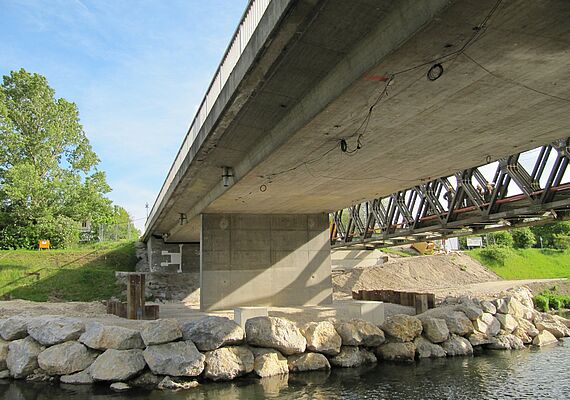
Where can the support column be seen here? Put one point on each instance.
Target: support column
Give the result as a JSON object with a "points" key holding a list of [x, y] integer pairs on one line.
{"points": [[264, 260]]}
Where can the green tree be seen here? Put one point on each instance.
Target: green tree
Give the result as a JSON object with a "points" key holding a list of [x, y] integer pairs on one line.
{"points": [[523, 238], [49, 180], [552, 234], [501, 238]]}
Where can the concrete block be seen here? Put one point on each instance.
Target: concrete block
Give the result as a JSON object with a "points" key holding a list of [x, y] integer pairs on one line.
{"points": [[242, 314], [371, 311]]}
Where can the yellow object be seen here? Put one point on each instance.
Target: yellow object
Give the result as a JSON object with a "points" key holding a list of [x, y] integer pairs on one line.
{"points": [[43, 244], [423, 247]]}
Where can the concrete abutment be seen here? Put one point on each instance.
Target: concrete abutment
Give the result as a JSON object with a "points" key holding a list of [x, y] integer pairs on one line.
{"points": [[264, 260]]}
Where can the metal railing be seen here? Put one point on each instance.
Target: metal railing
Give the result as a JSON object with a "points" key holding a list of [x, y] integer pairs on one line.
{"points": [[249, 21]]}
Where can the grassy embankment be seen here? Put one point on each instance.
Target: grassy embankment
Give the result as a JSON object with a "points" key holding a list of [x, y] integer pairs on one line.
{"points": [[528, 263], [85, 273], [533, 264]]}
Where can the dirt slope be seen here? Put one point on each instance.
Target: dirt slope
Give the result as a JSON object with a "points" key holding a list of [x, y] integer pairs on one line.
{"points": [[426, 273]]}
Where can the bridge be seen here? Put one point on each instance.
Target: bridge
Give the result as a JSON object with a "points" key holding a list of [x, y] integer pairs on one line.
{"points": [[320, 105]]}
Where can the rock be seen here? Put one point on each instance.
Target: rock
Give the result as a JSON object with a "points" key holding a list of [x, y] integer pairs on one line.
{"points": [[479, 339], [562, 320], [22, 357], [117, 365], [175, 359], [402, 328], [505, 342], [544, 338], [517, 309], [524, 295], [322, 338], [228, 363], [397, 351], [547, 323], [269, 362], [488, 307], [80, 378], [487, 324], [210, 333], [522, 335], [51, 330], [146, 380], [3, 354], [66, 358], [160, 331], [14, 328], [169, 384], [501, 305], [119, 387], [435, 329], [275, 333], [457, 346], [358, 332], [39, 376], [308, 362], [508, 322], [527, 327], [101, 337], [427, 349], [458, 323], [4, 374], [352, 356], [470, 310]]}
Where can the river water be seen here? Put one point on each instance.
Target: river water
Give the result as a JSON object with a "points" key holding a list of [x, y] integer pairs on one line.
{"points": [[525, 374]]}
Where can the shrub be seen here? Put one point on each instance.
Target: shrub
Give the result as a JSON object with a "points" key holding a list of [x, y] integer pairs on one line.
{"points": [[541, 303], [495, 254], [561, 241], [504, 239], [523, 238]]}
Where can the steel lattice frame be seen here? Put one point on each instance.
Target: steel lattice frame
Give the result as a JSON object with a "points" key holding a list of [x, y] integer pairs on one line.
{"points": [[467, 205]]}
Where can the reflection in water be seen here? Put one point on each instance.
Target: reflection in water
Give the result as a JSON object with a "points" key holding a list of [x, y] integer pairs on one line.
{"points": [[526, 374]]}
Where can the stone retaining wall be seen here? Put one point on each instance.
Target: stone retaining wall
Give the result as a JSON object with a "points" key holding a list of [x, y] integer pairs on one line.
{"points": [[168, 355]]}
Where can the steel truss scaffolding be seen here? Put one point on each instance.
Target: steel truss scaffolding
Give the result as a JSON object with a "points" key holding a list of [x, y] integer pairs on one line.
{"points": [[466, 203]]}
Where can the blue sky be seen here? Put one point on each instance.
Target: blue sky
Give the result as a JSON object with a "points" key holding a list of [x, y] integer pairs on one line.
{"points": [[136, 69]]}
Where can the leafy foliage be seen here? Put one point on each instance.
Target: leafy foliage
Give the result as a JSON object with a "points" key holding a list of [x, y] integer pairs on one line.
{"points": [[495, 254], [502, 238], [523, 238], [49, 180], [555, 235]]}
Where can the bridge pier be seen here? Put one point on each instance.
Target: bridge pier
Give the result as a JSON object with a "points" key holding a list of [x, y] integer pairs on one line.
{"points": [[264, 260]]}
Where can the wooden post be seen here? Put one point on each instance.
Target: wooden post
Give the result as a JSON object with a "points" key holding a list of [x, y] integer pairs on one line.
{"points": [[135, 296], [421, 303]]}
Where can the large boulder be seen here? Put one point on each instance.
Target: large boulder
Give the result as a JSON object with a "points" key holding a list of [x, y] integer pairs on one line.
{"points": [[146, 380], [275, 333], [175, 359], [395, 351], [227, 363], [14, 328], [547, 323], [479, 339], [160, 331], [524, 295], [51, 330], [79, 378], [168, 383], [3, 354], [488, 307], [487, 324], [508, 322], [458, 323], [322, 338], [358, 332], [522, 335], [352, 356], [544, 338], [402, 328], [66, 358], [457, 346], [501, 305], [435, 329], [562, 320], [117, 365], [210, 333], [308, 362], [427, 349], [22, 357], [101, 337], [470, 310], [505, 342], [517, 309], [269, 362]]}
